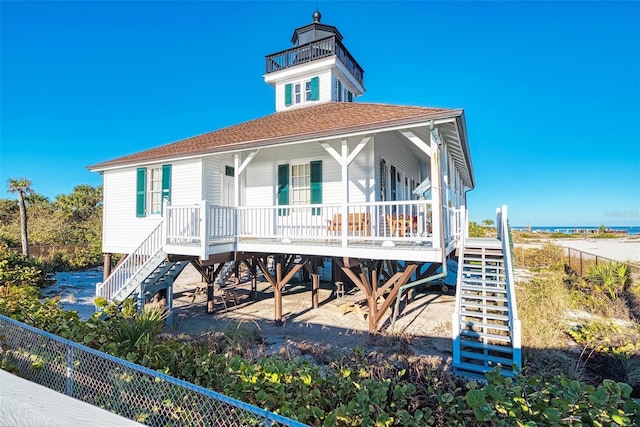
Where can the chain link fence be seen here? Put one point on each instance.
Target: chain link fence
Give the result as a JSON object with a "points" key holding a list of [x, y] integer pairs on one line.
{"points": [[126, 389]]}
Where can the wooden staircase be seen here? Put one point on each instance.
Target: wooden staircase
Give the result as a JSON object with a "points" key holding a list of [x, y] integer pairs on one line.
{"points": [[486, 329], [143, 273]]}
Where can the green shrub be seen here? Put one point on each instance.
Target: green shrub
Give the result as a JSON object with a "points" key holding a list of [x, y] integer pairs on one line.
{"points": [[17, 269], [476, 230], [549, 255]]}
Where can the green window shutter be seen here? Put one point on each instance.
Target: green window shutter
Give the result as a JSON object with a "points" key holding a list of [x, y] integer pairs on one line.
{"points": [[316, 186], [287, 94], [141, 192], [283, 188], [315, 88], [166, 182]]}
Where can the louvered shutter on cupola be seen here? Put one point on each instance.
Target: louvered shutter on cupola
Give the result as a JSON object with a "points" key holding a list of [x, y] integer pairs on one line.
{"points": [[315, 88], [283, 188], [141, 192], [316, 186], [287, 94]]}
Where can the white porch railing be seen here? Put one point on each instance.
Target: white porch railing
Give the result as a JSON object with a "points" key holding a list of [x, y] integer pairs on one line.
{"points": [[502, 223], [133, 263], [186, 225], [200, 226], [408, 221]]}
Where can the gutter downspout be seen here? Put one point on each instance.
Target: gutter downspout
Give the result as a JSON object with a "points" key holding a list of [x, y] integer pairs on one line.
{"points": [[416, 283], [435, 138]]}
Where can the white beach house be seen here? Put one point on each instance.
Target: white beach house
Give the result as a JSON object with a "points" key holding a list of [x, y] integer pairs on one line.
{"points": [[378, 189]]}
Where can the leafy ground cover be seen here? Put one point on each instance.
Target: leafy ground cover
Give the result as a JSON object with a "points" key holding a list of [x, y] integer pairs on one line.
{"points": [[357, 388]]}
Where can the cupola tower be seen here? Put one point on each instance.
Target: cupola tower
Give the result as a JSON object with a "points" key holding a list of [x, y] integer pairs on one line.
{"points": [[318, 68]]}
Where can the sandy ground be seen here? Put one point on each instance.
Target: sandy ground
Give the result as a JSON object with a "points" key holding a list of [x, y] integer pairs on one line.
{"points": [[423, 326], [338, 324], [623, 250]]}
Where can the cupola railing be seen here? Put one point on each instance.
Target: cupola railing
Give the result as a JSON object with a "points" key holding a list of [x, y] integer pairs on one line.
{"points": [[317, 49]]}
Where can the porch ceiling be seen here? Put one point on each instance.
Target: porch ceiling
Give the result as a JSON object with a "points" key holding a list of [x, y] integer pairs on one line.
{"points": [[456, 145], [455, 137]]}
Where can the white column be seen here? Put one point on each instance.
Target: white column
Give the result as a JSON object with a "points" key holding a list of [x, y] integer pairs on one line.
{"points": [[436, 190], [345, 192], [236, 180]]}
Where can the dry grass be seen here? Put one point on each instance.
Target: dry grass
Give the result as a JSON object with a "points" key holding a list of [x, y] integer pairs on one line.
{"points": [[542, 304]]}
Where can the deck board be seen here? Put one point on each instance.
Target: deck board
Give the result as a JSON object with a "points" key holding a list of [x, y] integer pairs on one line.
{"points": [[24, 403]]}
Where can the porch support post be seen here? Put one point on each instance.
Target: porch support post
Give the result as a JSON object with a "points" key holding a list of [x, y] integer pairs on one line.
{"points": [[285, 269], [345, 192], [209, 274], [204, 230], [369, 285], [315, 281], [169, 297], [106, 271], [436, 190], [254, 279], [236, 179]]}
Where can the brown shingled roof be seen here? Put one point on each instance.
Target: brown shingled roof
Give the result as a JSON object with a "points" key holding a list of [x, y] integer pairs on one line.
{"points": [[321, 120]]}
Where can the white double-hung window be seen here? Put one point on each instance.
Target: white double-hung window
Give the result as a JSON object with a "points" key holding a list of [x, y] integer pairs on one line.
{"points": [[153, 185], [154, 195], [302, 91], [300, 184]]}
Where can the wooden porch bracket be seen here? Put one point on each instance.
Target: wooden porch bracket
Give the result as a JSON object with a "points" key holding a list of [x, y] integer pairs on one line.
{"points": [[285, 269], [367, 281]]}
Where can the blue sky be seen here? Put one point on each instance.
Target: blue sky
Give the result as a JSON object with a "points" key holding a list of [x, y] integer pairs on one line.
{"points": [[551, 90]]}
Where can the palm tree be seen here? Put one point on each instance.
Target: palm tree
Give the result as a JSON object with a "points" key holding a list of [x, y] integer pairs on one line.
{"points": [[22, 186]]}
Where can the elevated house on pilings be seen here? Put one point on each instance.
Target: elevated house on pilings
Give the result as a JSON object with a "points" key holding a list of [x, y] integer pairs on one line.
{"points": [[378, 189]]}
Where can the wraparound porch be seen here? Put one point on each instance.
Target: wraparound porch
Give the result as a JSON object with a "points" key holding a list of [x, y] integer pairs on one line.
{"points": [[401, 230]]}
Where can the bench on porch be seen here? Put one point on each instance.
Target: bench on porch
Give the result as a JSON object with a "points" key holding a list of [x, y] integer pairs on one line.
{"points": [[402, 225], [358, 222]]}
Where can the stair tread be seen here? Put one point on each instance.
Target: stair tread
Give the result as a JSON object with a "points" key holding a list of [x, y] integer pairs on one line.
{"points": [[483, 335], [473, 324], [479, 368], [487, 315], [490, 347], [486, 357], [484, 297], [487, 306], [472, 288]]}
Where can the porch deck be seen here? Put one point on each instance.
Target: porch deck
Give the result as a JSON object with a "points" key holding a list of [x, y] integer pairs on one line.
{"points": [[402, 230]]}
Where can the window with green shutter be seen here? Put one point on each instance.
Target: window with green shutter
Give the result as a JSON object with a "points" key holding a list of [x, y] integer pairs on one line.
{"points": [[141, 192], [153, 185], [287, 94], [283, 188], [166, 182], [316, 186], [315, 88]]}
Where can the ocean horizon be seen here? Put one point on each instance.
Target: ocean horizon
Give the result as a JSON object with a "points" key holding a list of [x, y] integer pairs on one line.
{"points": [[575, 229]]}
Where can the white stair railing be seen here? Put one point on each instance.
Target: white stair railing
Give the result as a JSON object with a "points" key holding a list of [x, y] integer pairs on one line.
{"points": [[514, 322], [131, 265]]}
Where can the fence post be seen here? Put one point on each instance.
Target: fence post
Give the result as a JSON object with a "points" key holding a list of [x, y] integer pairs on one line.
{"points": [[69, 381], [580, 263]]}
